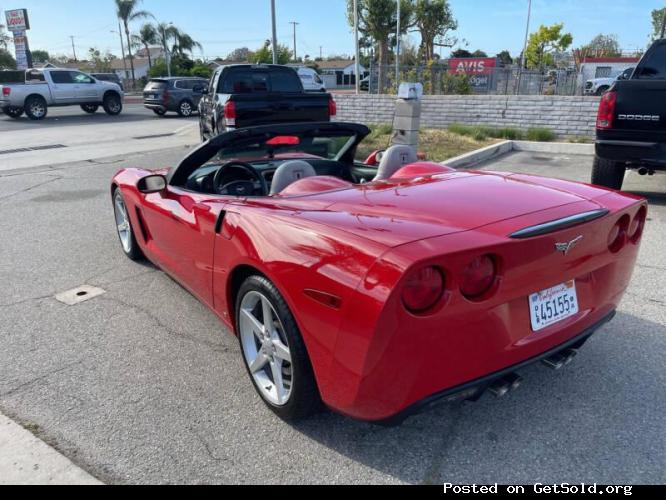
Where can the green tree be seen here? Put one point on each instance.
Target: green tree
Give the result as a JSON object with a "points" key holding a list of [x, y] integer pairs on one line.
{"points": [[7, 61], [378, 19], [544, 44], [128, 11], [265, 54], [184, 43], [657, 20], [505, 58], [147, 36], [461, 54], [434, 20], [40, 56], [242, 54], [101, 62], [479, 53], [201, 70], [602, 46]]}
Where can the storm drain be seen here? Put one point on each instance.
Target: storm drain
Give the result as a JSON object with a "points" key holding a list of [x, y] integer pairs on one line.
{"points": [[156, 136], [79, 295], [35, 148]]}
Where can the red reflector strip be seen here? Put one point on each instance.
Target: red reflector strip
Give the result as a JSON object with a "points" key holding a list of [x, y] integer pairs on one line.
{"points": [[327, 299]]}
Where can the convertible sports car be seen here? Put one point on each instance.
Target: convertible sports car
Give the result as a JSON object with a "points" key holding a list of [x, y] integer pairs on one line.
{"points": [[382, 286]]}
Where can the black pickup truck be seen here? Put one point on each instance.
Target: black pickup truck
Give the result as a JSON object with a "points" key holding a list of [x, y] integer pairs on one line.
{"points": [[240, 96], [631, 123]]}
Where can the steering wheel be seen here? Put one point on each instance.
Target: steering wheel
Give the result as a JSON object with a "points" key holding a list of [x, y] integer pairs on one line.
{"points": [[241, 188]]}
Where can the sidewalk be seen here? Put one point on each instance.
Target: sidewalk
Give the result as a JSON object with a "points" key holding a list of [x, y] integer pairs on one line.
{"points": [[26, 460]]}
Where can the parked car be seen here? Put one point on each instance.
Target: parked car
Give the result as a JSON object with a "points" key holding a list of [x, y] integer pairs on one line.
{"points": [[41, 89], [108, 77], [365, 84], [177, 94], [243, 95], [379, 289], [631, 123], [311, 80], [598, 86]]}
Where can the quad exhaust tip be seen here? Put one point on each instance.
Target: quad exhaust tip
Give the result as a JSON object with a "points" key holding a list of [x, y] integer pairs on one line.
{"points": [[561, 359]]}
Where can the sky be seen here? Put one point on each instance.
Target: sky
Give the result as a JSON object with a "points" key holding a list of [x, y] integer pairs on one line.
{"points": [[223, 25]]}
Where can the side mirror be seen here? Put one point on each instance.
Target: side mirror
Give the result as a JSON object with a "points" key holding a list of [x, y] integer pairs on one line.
{"points": [[152, 184]]}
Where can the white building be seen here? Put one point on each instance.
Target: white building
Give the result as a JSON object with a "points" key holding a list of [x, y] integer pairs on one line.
{"points": [[604, 67]]}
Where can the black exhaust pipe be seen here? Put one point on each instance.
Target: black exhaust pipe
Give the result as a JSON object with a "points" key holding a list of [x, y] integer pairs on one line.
{"points": [[561, 359], [505, 385]]}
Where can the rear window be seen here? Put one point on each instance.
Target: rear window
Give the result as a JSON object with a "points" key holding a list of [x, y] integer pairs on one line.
{"points": [[654, 64], [156, 85], [249, 81], [61, 77]]}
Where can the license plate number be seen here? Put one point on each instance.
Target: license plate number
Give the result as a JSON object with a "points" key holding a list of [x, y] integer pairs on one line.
{"points": [[553, 305]]}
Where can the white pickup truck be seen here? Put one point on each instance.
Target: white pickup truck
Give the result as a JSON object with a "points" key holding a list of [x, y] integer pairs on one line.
{"points": [[40, 89], [599, 86]]}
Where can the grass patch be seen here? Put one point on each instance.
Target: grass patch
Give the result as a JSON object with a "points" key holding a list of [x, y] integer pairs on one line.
{"points": [[482, 133], [437, 144], [580, 139], [538, 134]]}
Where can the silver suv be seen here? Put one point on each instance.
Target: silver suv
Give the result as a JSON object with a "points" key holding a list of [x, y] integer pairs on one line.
{"points": [[178, 94]]}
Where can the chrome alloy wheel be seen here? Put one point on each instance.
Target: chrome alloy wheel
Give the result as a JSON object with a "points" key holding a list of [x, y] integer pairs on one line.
{"points": [[265, 348], [122, 222], [115, 106], [185, 108], [38, 109]]}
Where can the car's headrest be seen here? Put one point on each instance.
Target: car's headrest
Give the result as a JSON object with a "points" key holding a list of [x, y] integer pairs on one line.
{"points": [[393, 159], [290, 172]]}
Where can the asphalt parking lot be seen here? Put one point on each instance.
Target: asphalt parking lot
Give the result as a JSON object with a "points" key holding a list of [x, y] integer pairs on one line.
{"points": [[143, 385]]}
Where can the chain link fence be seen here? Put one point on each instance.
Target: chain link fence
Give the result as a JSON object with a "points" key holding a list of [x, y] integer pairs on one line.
{"points": [[437, 80]]}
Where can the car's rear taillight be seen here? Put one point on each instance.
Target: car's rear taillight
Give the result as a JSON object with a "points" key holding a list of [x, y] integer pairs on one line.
{"points": [[332, 107], [638, 225], [618, 235], [165, 96], [478, 277], [6, 91], [230, 114], [423, 289], [606, 111]]}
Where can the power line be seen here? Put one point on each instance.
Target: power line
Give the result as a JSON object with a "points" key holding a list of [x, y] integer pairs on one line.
{"points": [[73, 47]]}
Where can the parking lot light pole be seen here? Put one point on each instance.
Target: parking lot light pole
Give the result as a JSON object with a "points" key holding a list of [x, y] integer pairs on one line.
{"points": [[397, 51], [357, 66], [523, 60], [275, 47], [295, 24]]}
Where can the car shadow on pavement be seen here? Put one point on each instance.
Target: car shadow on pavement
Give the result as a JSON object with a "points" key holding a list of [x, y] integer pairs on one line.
{"points": [[597, 420]]}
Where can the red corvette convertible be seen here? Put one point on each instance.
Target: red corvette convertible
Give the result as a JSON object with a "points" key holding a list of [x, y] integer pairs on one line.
{"points": [[382, 286]]}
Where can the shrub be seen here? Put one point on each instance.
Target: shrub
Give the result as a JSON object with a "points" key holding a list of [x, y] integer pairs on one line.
{"points": [[538, 134]]}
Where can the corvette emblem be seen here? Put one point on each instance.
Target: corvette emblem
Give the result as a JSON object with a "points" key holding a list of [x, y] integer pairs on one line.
{"points": [[565, 248]]}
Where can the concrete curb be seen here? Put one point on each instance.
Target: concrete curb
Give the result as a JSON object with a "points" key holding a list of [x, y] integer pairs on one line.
{"points": [[26, 460], [496, 150]]}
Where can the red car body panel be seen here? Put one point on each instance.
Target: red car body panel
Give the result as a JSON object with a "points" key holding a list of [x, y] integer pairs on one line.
{"points": [[371, 357]]}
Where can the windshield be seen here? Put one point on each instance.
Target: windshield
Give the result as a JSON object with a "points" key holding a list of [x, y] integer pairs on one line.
{"points": [[329, 146]]}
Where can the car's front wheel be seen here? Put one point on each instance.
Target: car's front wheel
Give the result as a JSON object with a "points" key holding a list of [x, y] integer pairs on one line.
{"points": [[124, 227], [274, 352], [608, 173], [112, 104], [91, 109]]}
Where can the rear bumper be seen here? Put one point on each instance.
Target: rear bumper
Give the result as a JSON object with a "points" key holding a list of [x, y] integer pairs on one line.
{"points": [[633, 152], [475, 388], [155, 105]]}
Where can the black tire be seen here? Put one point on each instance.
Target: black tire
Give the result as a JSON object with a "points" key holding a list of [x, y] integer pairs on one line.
{"points": [[304, 400], [608, 173], [13, 112], [112, 104], [91, 109], [36, 108], [186, 108], [602, 90], [159, 111], [132, 250]]}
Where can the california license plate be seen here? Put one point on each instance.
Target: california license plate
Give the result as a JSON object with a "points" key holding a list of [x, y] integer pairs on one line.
{"points": [[553, 305]]}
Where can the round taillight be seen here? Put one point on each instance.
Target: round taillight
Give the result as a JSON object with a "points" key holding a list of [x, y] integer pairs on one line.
{"points": [[638, 225], [618, 235], [478, 277], [423, 288]]}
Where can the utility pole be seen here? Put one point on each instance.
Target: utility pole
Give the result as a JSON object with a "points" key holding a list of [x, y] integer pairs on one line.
{"points": [[294, 23], [73, 48], [275, 42], [397, 51], [523, 59], [357, 65]]}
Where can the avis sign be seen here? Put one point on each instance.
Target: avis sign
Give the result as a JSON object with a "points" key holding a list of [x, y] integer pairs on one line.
{"points": [[17, 20], [478, 69]]}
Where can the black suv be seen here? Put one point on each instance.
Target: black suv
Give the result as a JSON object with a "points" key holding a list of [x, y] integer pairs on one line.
{"points": [[179, 94]]}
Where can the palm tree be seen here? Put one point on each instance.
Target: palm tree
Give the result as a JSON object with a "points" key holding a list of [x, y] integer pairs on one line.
{"points": [[147, 36], [127, 11], [184, 43]]}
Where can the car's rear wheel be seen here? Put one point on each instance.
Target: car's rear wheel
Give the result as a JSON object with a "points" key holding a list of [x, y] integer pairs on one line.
{"points": [[112, 104], [36, 108], [13, 112], [274, 352], [124, 227], [185, 109], [608, 173], [90, 108]]}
